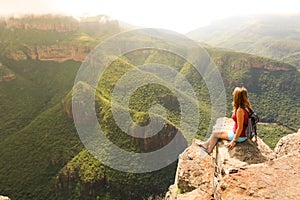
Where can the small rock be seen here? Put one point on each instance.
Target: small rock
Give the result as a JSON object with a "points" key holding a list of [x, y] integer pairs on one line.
{"points": [[243, 187], [231, 171], [251, 192], [223, 186]]}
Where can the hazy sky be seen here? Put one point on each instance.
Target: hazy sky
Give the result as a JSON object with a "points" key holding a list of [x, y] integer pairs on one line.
{"points": [[177, 15]]}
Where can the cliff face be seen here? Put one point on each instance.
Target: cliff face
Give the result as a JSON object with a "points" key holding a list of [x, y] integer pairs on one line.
{"points": [[58, 53], [262, 65], [44, 22], [6, 74], [249, 171], [252, 63], [52, 37], [239, 61]]}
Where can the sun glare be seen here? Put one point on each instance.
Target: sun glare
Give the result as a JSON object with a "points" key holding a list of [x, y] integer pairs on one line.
{"points": [[178, 15]]}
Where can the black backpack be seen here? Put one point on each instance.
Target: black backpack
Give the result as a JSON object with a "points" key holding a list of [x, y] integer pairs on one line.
{"points": [[251, 130]]}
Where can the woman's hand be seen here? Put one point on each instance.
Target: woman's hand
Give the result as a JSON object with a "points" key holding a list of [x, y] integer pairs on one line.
{"points": [[231, 145]]}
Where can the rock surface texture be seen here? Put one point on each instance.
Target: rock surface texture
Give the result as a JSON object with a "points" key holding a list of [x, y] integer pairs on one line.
{"points": [[4, 198], [250, 171]]}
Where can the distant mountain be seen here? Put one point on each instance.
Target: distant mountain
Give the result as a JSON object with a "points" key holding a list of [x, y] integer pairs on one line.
{"points": [[273, 36]]}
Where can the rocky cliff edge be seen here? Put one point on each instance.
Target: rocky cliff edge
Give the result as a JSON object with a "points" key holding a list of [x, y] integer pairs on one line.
{"points": [[250, 171]]}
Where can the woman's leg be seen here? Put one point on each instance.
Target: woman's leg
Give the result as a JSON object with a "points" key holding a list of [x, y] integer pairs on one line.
{"points": [[212, 141]]}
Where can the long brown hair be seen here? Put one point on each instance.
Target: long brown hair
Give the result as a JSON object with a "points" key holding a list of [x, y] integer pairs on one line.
{"points": [[240, 99]]}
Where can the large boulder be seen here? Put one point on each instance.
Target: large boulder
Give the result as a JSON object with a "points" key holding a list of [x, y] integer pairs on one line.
{"points": [[245, 153], [4, 198], [278, 179], [194, 175], [289, 144]]}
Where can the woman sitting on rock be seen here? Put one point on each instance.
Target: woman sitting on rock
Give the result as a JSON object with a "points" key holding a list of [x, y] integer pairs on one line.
{"points": [[241, 108]]}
